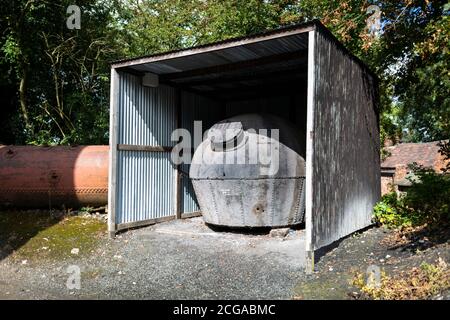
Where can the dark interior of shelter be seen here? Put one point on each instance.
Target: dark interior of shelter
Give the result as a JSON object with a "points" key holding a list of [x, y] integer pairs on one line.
{"points": [[262, 77]]}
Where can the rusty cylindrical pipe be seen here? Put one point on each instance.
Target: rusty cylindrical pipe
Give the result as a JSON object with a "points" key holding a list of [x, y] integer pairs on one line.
{"points": [[43, 177]]}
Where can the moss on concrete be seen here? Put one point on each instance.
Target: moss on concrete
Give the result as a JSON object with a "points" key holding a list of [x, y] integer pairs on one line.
{"points": [[39, 235], [325, 288]]}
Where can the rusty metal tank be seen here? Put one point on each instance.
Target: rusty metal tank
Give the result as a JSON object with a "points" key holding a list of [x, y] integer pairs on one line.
{"points": [[262, 182], [43, 177]]}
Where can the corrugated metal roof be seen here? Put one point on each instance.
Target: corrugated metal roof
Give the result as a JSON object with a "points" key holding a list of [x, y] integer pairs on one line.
{"points": [[279, 32], [223, 56], [276, 58]]}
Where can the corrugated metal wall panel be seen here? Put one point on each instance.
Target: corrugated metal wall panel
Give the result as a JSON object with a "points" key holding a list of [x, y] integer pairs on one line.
{"points": [[145, 180], [346, 145], [146, 115], [195, 108], [278, 105], [145, 186], [189, 200]]}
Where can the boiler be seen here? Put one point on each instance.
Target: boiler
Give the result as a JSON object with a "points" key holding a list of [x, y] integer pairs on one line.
{"points": [[249, 171]]}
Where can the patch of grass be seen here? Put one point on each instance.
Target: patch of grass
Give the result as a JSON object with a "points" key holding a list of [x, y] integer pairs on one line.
{"points": [[331, 287], [418, 283], [40, 235]]}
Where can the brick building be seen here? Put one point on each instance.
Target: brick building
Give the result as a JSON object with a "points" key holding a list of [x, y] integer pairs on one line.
{"points": [[394, 169]]}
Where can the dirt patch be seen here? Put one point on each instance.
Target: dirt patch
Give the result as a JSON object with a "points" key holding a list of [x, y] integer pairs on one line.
{"points": [[377, 247], [419, 238]]}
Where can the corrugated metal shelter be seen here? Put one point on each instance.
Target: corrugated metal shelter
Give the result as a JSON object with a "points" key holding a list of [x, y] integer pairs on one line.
{"points": [[299, 72]]}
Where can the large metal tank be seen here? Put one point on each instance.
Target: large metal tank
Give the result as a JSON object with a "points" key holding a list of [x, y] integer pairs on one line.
{"points": [[262, 182], [43, 177]]}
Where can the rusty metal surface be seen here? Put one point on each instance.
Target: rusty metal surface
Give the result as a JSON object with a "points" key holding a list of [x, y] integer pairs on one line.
{"points": [[43, 177], [246, 193]]}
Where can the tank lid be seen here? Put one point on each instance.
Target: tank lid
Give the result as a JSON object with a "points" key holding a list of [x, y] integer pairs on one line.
{"points": [[225, 135]]}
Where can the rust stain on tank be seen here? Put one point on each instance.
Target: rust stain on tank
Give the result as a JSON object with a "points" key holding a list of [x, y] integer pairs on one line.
{"points": [[259, 208], [32, 176]]}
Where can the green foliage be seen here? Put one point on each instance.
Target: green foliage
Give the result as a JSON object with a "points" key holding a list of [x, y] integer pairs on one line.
{"points": [[61, 75], [426, 201], [429, 197], [444, 150], [414, 66], [154, 26], [391, 211]]}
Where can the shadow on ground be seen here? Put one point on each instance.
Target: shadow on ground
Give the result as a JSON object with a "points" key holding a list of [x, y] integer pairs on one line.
{"points": [[45, 234], [250, 230], [419, 238]]}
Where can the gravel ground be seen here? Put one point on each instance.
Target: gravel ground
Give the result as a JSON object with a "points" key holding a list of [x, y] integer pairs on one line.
{"points": [[173, 260], [186, 260]]}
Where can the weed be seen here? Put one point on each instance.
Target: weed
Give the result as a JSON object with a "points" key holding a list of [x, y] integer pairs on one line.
{"points": [[417, 283]]}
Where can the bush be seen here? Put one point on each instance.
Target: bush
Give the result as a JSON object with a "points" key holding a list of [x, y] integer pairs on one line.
{"points": [[392, 212], [429, 197], [426, 201], [389, 211]]}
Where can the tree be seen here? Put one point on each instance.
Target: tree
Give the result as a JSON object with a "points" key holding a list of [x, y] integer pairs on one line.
{"points": [[411, 57], [61, 75], [422, 83], [154, 26]]}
